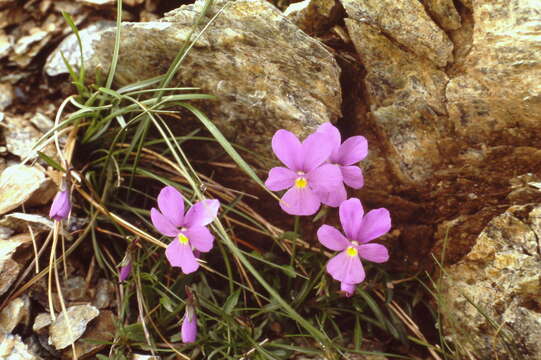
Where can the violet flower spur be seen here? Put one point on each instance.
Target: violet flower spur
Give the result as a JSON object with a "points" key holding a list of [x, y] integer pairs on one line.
{"points": [[305, 172], [345, 155], [61, 206], [188, 230], [346, 267]]}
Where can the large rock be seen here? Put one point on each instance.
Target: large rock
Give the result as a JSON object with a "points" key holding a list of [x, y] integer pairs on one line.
{"points": [[407, 23], [266, 72], [406, 95], [451, 140], [497, 99], [491, 299]]}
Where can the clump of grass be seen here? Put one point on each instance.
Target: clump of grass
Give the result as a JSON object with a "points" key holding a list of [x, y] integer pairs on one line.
{"points": [[266, 299]]}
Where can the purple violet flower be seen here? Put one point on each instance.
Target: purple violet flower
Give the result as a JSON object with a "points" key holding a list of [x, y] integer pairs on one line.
{"points": [[188, 230], [305, 173], [346, 267], [345, 155], [188, 330], [61, 206]]}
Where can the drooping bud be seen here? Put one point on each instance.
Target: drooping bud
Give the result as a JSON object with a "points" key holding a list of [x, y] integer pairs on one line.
{"points": [[61, 206], [188, 329], [348, 289], [125, 268]]}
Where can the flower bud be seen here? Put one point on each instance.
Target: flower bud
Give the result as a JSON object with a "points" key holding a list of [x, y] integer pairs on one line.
{"points": [[61, 206], [125, 270], [189, 325]]}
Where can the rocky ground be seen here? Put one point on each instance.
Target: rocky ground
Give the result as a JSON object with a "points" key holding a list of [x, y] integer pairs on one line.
{"points": [[446, 92]]}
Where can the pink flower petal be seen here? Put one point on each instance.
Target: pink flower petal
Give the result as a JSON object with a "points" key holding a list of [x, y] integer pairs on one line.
{"points": [[300, 201], [200, 238], [352, 150], [181, 255], [188, 330], [162, 224], [280, 178], [333, 198], [316, 149], [202, 213], [348, 289], [334, 137], [376, 223], [346, 268], [373, 252], [171, 205], [325, 178], [288, 149], [353, 176], [351, 216], [332, 238]]}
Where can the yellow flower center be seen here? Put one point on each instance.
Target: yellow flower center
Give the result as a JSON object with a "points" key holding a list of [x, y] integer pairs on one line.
{"points": [[301, 182], [351, 251], [183, 239]]}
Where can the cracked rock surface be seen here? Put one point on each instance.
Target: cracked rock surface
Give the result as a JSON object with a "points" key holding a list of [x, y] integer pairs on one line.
{"points": [[500, 280]]}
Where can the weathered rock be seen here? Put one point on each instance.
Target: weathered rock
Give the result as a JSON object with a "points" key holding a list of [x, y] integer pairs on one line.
{"points": [[21, 184], [74, 288], [41, 323], [99, 334], [259, 88], [79, 316], [6, 95], [497, 100], [12, 348], [407, 23], [406, 94], [314, 16], [16, 311], [8, 273], [21, 138], [70, 48], [42, 122], [105, 291], [445, 13], [490, 299]]}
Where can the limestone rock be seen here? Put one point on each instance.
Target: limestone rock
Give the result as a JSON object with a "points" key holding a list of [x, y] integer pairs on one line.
{"points": [[8, 273], [19, 183], [445, 13], [406, 94], [95, 338], [16, 311], [501, 276], [12, 348], [79, 316], [105, 292], [6, 95], [407, 23], [41, 322], [260, 89], [70, 48], [497, 100], [314, 16]]}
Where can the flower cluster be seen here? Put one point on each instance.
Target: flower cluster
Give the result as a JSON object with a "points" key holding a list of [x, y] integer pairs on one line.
{"points": [[316, 171]]}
